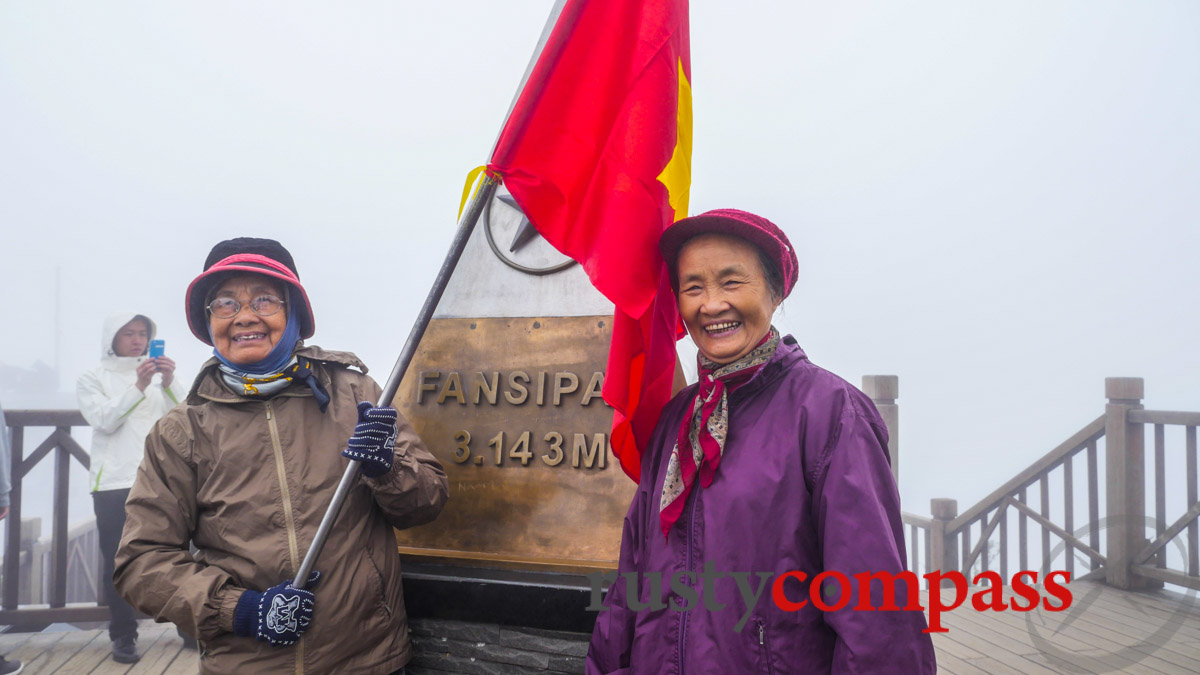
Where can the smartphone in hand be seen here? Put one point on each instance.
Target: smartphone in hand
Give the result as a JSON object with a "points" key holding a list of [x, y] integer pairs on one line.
{"points": [[157, 347]]}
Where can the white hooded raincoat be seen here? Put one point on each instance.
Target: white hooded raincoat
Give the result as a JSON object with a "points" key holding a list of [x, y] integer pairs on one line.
{"points": [[121, 415]]}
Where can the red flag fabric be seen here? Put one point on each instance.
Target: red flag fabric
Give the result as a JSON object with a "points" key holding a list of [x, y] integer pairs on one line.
{"points": [[597, 152]]}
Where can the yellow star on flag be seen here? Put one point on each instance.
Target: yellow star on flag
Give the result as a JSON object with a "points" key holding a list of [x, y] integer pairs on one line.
{"points": [[677, 175]]}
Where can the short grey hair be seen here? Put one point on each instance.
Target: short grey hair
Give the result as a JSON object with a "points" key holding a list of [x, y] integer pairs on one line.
{"points": [[771, 274]]}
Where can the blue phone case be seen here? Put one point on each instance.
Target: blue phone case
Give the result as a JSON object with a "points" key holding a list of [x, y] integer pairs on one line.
{"points": [[156, 348]]}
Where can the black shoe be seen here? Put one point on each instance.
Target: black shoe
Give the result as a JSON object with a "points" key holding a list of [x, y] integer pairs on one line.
{"points": [[124, 649], [10, 667], [189, 642]]}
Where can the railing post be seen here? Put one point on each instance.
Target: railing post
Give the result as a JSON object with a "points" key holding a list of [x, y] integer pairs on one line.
{"points": [[943, 548], [1125, 469], [29, 564], [62, 490], [12, 545], [883, 390]]}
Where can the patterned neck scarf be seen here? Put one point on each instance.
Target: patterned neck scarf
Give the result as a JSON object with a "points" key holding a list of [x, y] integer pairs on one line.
{"points": [[298, 368], [705, 426]]}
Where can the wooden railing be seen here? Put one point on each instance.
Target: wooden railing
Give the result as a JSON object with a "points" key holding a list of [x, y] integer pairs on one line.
{"points": [[62, 448], [1190, 576], [1108, 452], [1112, 537]]}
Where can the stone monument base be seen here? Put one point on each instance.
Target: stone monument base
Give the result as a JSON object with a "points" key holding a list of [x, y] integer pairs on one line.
{"points": [[469, 620]]}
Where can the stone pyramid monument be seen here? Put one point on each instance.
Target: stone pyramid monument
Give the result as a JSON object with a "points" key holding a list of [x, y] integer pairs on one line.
{"points": [[505, 391]]}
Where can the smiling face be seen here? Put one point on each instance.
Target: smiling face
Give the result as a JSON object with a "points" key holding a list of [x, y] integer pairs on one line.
{"points": [[724, 297], [247, 337], [132, 339]]}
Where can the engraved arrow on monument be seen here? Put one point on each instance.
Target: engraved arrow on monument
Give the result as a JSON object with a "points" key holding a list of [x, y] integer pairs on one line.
{"points": [[525, 230]]}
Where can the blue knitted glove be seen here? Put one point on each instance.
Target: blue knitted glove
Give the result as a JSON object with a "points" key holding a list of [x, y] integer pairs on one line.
{"points": [[374, 439], [278, 615]]}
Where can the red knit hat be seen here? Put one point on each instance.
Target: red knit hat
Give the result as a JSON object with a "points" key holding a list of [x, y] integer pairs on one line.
{"points": [[246, 254], [754, 229]]}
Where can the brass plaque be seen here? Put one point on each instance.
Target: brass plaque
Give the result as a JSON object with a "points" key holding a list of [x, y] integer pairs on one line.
{"points": [[512, 409]]}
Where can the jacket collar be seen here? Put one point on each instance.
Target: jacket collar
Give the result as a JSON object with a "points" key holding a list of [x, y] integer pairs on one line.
{"points": [[208, 386], [786, 355], [121, 364]]}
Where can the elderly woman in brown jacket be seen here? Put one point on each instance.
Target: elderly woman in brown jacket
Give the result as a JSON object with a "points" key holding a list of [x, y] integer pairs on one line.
{"points": [[244, 470]]}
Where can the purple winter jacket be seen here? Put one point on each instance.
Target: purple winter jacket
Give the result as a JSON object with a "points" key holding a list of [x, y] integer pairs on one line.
{"points": [[804, 484]]}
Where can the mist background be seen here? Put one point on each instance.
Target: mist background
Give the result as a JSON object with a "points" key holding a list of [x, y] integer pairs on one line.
{"points": [[995, 202]]}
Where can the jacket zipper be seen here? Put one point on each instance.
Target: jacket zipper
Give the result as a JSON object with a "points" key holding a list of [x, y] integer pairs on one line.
{"points": [[688, 557], [281, 470], [763, 649], [288, 519]]}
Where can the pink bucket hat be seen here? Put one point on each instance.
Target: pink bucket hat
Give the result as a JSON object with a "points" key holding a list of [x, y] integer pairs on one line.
{"points": [[754, 229], [246, 254]]}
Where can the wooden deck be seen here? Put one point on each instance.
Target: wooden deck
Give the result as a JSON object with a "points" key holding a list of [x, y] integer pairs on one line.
{"points": [[1104, 631], [90, 652]]}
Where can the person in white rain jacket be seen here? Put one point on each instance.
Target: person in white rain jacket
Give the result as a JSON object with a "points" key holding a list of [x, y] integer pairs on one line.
{"points": [[121, 399]]}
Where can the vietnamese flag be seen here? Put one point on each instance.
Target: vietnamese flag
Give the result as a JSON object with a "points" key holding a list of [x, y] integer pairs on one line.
{"points": [[597, 152]]}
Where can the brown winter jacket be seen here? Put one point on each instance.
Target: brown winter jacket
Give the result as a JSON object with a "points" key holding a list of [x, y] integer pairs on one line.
{"points": [[247, 481]]}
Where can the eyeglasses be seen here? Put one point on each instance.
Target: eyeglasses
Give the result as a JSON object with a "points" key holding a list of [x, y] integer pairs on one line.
{"points": [[227, 308]]}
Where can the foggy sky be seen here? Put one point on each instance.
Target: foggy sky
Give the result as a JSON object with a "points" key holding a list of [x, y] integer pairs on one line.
{"points": [[995, 202]]}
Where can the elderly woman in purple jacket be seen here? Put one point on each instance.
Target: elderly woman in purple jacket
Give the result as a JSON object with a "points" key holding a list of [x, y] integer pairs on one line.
{"points": [[765, 474]]}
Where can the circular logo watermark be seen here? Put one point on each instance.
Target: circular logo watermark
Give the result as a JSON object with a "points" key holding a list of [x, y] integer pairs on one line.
{"points": [[1077, 656]]}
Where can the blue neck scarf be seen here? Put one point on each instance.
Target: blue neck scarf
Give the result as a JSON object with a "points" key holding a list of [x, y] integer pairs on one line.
{"points": [[276, 371]]}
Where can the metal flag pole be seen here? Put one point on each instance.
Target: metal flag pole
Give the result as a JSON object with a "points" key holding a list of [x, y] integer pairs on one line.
{"points": [[487, 188]]}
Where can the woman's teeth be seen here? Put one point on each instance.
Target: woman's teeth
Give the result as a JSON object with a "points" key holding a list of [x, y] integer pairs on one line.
{"points": [[255, 336], [722, 327]]}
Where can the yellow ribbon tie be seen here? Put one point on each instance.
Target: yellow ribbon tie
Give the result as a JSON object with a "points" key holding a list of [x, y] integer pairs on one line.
{"points": [[472, 177]]}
